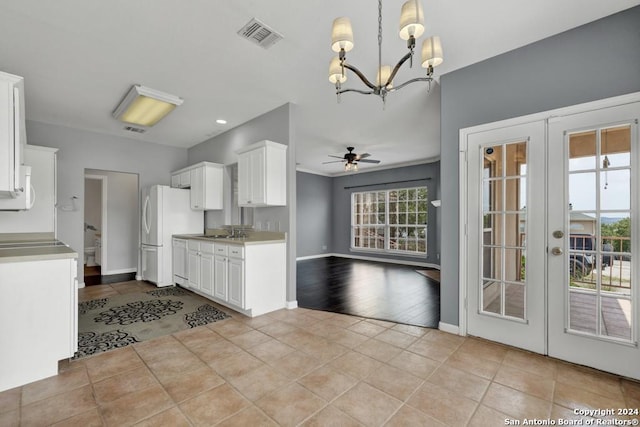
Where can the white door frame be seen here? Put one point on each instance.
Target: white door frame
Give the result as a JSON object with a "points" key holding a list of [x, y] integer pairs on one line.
{"points": [[103, 239], [462, 167]]}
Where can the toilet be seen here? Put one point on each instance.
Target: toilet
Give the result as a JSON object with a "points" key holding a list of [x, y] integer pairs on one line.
{"points": [[90, 257]]}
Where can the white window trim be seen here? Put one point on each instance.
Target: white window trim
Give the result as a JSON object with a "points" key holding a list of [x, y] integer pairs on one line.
{"points": [[387, 226]]}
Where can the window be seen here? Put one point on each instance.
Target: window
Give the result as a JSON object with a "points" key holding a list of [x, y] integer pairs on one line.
{"points": [[392, 221]]}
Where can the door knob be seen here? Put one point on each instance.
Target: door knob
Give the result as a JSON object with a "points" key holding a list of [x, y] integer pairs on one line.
{"points": [[556, 251], [558, 234]]}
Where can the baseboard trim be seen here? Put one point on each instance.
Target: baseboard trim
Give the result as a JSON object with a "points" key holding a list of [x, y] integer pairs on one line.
{"points": [[121, 271], [292, 304], [391, 261], [302, 258], [446, 327], [81, 285], [138, 277]]}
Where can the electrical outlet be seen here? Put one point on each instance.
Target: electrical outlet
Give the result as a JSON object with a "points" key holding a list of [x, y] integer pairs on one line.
{"points": [[324, 247]]}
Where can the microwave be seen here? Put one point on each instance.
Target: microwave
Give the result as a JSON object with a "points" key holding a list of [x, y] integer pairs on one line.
{"points": [[25, 198]]}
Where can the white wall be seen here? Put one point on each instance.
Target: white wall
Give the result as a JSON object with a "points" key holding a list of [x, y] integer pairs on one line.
{"points": [[121, 239], [80, 150]]}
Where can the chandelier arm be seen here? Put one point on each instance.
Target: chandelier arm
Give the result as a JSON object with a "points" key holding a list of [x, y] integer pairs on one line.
{"points": [[418, 79], [397, 67], [360, 75], [364, 92]]}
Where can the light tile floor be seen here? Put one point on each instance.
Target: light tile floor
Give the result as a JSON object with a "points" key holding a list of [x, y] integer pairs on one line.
{"points": [[310, 368]]}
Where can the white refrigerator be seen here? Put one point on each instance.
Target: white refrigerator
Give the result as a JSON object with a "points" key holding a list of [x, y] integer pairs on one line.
{"points": [[165, 211]]}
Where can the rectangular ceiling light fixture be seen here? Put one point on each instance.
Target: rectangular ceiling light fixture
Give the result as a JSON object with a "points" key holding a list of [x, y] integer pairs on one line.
{"points": [[144, 106]]}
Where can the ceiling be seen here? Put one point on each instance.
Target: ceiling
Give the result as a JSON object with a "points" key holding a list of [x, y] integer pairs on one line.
{"points": [[79, 58]]}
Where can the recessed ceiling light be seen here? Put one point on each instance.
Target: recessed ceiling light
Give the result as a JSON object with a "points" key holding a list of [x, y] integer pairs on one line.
{"points": [[221, 121]]}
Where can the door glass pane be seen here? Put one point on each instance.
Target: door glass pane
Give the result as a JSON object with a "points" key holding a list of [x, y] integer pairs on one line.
{"points": [[599, 256], [582, 191], [516, 156], [513, 265], [582, 151], [492, 297], [514, 300], [615, 193], [504, 198], [616, 146]]}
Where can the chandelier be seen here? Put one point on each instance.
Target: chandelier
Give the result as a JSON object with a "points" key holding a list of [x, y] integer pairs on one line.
{"points": [[411, 27]]}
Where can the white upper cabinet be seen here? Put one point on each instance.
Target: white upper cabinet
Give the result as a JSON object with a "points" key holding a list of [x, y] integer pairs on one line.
{"points": [[262, 175], [12, 134], [206, 182]]}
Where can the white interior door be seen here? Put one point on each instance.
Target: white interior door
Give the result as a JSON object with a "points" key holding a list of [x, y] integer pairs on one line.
{"points": [[593, 233], [505, 223]]}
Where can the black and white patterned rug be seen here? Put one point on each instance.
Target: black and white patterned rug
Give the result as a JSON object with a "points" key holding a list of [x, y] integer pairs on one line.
{"points": [[108, 323]]}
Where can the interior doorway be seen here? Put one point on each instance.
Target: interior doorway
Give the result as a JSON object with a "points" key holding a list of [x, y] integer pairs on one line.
{"points": [[550, 211], [95, 226], [111, 226]]}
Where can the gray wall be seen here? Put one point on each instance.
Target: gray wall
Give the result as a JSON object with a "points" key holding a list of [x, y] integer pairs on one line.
{"points": [[121, 241], [314, 202], [81, 149], [591, 62], [341, 215], [275, 126]]}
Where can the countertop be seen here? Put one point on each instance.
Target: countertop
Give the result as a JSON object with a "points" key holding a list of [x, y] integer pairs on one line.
{"points": [[253, 238], [33, 247]]}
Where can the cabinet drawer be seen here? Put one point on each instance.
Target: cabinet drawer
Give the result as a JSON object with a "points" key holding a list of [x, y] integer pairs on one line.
{"points": [[221, 249], [207, 247], [236, 251], [193, 245]]}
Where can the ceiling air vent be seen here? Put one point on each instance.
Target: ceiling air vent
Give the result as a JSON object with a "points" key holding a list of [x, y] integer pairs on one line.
{"points": [[259, 34], [135, 129]]}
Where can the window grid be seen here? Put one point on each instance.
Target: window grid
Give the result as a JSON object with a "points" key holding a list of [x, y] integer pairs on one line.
{"points": [[392, 221]]}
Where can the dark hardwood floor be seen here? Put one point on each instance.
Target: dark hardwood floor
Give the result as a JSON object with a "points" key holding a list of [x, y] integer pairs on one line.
{"points": [[369, 289]]}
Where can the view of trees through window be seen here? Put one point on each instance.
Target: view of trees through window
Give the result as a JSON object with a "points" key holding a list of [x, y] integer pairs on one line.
{"points": [[390, 220]]}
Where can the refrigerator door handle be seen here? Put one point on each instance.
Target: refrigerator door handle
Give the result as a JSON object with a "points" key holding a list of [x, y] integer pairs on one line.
{"points": [[145, 210]]}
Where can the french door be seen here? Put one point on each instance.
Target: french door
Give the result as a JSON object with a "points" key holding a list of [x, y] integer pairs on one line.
{"points": [[552, 229]]}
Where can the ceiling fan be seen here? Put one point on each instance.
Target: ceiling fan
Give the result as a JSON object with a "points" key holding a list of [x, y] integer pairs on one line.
{"points": [[352, 159]]}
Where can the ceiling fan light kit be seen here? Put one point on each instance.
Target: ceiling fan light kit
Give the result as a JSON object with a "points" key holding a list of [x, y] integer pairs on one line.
{"points": [[411, 27], [351, 160]]}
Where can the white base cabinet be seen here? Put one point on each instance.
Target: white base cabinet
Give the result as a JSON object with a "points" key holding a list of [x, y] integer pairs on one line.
{"points": [[250, 279], [38, 319], [200, 267], [179, 261]]}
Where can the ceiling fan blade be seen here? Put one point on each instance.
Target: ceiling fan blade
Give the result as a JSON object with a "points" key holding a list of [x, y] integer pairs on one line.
{"points": [[369, 161], [337, 157], [362, 156], [333, 161]]}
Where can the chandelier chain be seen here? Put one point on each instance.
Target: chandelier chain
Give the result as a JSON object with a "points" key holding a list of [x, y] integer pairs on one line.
{"points": [[379, 83]]}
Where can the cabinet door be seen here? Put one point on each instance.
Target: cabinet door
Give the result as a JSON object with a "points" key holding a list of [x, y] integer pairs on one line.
{"points": [[175, 181], [194, 269], [185, 179], [220, 277], [236, 282], [206, 273], [244, 179], [197, 189], [258, 176], [178, 260]]}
